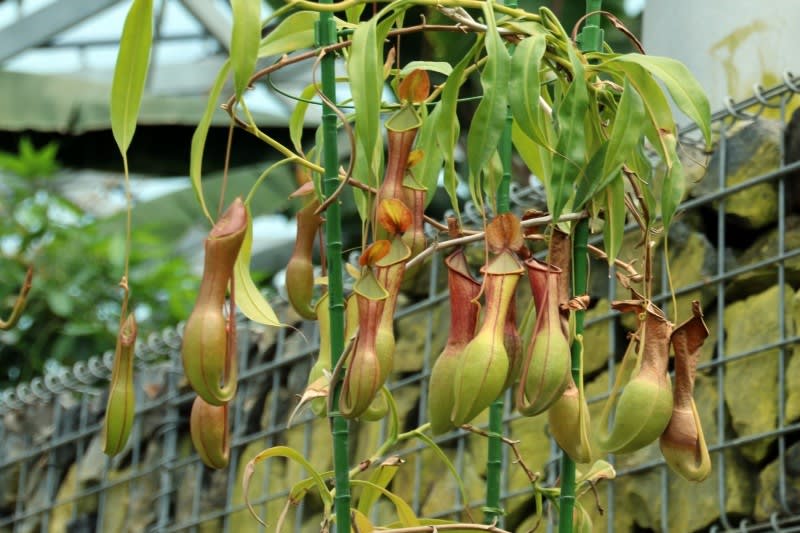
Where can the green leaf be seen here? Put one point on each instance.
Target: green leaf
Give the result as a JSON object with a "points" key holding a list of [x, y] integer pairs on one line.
{"points": [[682, 86], [295, 32], [380, 477], [571, 145], [200, 134], [404, 511], [442, 67], [525, 87], [428, 170], [674, 186], [130, 72], [297, 118], [448, 127], [245, 38], [626, 131], [365, 68], [248, 297], [488, 121], [641, 165], [537, 158], [614, 228], [655, 103], [293, 455]]}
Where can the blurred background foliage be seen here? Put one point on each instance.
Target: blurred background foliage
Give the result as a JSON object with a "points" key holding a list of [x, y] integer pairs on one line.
{"points": [[73, 308]]}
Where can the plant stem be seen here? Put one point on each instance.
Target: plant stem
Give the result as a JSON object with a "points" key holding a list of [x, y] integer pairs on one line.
{"points": [[580, 262], [590, 40], [493, 512], [333, 232]]}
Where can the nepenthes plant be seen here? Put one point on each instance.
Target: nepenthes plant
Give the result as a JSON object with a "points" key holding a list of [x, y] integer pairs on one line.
{"points": [[597, 130]]}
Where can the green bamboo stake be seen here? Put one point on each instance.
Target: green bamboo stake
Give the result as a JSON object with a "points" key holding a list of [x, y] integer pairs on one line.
{"points": [[494, 463], [590, 39], [326, 34]]}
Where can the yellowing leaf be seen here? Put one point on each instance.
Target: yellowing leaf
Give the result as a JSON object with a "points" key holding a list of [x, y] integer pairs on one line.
{"points": [[415, 87], [248, 297]]}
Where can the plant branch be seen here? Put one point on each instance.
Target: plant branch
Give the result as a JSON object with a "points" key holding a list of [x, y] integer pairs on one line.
{"points": [[533, 477], [479, 236]]}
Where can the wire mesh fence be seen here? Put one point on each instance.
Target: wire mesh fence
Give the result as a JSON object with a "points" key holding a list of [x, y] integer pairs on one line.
{"points": [[736, 248]]}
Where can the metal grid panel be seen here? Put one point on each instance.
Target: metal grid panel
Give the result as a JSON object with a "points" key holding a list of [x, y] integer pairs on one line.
{"points": [[55, 478]]}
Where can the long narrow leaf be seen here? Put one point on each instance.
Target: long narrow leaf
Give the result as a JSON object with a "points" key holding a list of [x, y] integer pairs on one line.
{"points": [[674, 186], [381, 477], [428, 170], [248, 297], [487, 123], [524, 88], [245, 39], [130, 72], [571, 145], [200, 134], [447, 125], [614, 229], [682, 86], [293, 455], [538, 159], [295, 32], [365, 68], [655, 103], [404, 511]]}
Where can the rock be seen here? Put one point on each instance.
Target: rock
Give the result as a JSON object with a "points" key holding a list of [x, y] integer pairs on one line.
{"points": [[793, 371], [692, 259], [765, 247], [66, 505], [709, 350], [768, 497], [753, 150], [751, 387]]}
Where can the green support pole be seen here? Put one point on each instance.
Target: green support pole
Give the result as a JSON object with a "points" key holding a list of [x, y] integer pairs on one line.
{"points": [[326, 34], [494, 463], [590, 39]]}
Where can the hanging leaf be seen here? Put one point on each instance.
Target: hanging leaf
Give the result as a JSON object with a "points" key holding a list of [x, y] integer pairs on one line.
{"points": [[298, 117], [295, 32], [674, 186], [248, 297], [293, 455], [525, 87], [683, 87], [626, 131], [571, 144], [365, 69], [537, 158], [245, 38], [200, 134], [130, 72], [488, 121], [381, 477], [614, 228], [659, 115], [404, 511], [442, 67], [429, 167]]}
